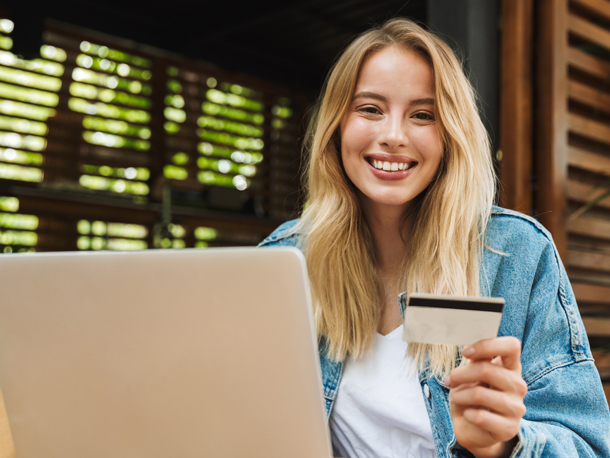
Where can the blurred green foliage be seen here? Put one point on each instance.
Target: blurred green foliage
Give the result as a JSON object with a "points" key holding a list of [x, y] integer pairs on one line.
{"points": [[111, 82], [175, 172], [24, 238], [22, 125], [128, 173], [232, 113], [113, 54], [238, 142], [34, 96], [20, 157], [229, 126], [225, 166], [234, 100], [20, 173], [9, 204], [108, 111], [26, 111], [115, 127], [15, 140], [108, 95], [205, 233], [113, 185], [17, 221]]}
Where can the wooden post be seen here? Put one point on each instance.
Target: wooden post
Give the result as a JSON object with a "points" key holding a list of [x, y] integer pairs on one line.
{"points": [[552, 125], [516, 105]]}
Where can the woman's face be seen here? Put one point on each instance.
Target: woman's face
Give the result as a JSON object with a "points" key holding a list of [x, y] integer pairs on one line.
{"points": [[390, 145]]}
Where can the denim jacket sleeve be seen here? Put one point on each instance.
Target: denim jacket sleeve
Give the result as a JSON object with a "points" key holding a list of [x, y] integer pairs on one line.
{"points": [[567, 413]]}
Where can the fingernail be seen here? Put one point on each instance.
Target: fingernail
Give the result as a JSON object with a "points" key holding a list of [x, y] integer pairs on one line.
{"points": [[448, 382], [468, 351]]}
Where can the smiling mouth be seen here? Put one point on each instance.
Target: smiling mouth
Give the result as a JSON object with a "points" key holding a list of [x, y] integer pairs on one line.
{"points": [[388, 166]]}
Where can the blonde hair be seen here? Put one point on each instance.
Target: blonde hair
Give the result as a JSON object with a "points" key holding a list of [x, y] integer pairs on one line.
{"points": [[449, 219]]}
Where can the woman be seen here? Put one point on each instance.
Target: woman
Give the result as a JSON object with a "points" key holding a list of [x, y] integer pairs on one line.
{"points": [[400, 188]]}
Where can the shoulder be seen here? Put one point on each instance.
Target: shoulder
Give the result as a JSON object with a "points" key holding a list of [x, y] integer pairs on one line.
{"points": [[287, 234], [504, 220], [509, 231]]}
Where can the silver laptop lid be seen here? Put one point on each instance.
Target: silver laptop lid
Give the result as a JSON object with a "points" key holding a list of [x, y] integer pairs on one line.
{"points": [[191, 353]]}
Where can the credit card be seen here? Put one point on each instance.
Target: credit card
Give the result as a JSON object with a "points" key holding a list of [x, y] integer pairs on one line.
{"points": [[453, 320]]}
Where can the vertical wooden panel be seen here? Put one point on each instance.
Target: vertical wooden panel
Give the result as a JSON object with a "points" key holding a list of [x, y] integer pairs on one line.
{"points": [[516, 105], [551, 154]]}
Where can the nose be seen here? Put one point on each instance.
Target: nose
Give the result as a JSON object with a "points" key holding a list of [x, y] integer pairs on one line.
{"points": [[393, 135]]}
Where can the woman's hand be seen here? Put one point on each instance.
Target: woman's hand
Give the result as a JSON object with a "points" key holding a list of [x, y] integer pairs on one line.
{"points": [[486, 397]]}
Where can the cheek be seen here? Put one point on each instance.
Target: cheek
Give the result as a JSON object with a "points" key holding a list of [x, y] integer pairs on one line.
{"points": [[429, 145], [356, 135]]}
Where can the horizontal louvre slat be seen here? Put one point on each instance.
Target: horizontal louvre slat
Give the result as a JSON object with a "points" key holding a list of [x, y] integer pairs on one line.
{"points": [[597, 7], [584, 192], [592, 97], [588, 31], [589, 260], [599, 327], [590, 227], [584, 62], [588, 161], [590, 129], [591, 293]]}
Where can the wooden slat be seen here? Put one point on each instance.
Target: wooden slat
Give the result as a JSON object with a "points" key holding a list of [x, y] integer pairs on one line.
{"points": [[551, 146], [589, 31], [597, 7], [588, 128], [516, 105], [597, 326], [592, 294], [584, 192], [589, 260], [584, 62], [590, 227], [587, 95], [586, 160]]}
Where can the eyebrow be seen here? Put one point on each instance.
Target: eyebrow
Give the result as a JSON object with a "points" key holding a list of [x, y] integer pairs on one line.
{"points": [[381, 98]]}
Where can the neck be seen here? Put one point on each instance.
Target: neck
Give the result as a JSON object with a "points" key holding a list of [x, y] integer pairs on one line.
{"points": [[390, 236]]}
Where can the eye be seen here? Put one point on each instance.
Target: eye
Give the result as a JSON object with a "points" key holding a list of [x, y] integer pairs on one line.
{"points": [[369, 109], [424, 116]]}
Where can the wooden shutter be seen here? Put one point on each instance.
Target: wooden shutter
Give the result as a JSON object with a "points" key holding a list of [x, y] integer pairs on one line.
{"points": [[573, 152]]}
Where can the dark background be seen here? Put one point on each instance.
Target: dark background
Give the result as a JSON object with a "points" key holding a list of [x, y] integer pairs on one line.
{"points": [[293, 43]]}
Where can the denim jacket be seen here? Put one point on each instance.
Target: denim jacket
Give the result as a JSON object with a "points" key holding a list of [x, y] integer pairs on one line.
{"points": [[567, 413]]}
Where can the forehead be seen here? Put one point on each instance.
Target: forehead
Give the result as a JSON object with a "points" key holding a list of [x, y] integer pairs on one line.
{"points": [[393, 68]]}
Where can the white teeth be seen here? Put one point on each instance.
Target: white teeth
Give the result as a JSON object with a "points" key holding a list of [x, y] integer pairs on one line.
{"points": [[390, 166]]}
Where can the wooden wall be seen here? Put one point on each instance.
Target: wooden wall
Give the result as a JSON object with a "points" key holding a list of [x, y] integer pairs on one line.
{"points": [[555, 140]]}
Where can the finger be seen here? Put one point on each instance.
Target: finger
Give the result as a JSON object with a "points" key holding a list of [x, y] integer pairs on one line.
{"points": [[497, 401], [499, 428], [508, 347], [488, 373]]}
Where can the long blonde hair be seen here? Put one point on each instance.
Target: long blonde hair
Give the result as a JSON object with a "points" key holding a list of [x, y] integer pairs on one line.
{"points": [[444, 252]]}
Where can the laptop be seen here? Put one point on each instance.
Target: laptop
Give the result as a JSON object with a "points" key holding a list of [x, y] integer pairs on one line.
{"points": [[186, 353]]}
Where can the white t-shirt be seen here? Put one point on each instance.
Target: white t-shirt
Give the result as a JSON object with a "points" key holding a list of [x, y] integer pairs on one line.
{"points": [[379, 411]]}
